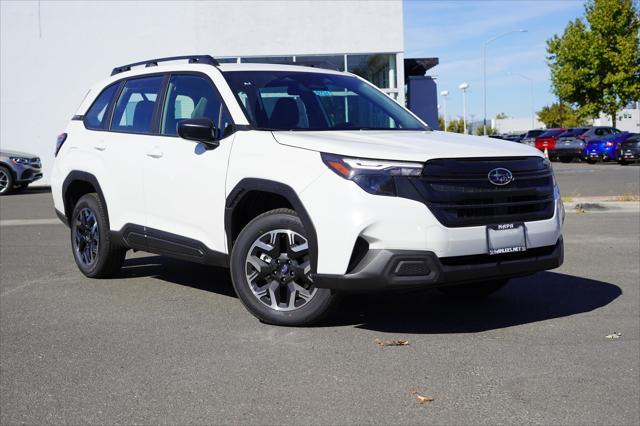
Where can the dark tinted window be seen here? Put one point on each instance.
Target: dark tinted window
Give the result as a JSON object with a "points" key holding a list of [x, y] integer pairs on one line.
{"points": [[286, 100], [192, 96], [94, 118], [551, 133], [135, 107], [534, 133], [575, 132]]}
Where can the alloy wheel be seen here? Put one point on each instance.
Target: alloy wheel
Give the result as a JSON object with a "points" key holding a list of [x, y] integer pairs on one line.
{"points": [[86, 237], [4, 181], [277, 269]]}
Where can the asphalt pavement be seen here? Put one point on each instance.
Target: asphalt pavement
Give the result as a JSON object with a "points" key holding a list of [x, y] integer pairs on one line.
{"points": [[168, 342]]}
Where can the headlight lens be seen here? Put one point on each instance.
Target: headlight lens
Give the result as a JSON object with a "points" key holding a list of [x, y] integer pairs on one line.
{"points": [[20, 160], [374, 176]]}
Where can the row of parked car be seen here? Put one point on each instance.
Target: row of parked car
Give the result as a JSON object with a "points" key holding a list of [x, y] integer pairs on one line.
{"points": [[590, 144]]}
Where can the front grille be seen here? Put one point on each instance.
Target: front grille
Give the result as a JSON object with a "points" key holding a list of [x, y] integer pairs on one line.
{"points": [[459, 193]]}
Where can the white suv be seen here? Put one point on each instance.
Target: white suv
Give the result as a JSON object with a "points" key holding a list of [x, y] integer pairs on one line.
{"points": [[305, 182]]}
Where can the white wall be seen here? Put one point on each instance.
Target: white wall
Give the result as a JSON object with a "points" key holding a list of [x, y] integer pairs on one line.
{"points": [[516, 124], [627, 120], [51, 52]]}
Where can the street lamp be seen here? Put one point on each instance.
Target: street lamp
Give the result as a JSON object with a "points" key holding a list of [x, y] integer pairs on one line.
{"points": [[444, 95], [484, 73], [533, 114], [464, 87]]}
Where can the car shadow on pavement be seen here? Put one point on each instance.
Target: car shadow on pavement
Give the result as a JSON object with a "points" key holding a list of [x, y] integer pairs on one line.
{"points": [[543, 296], [202, 277]]}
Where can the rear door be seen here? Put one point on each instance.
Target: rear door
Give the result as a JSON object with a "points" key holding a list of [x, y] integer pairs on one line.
{"points": [[124, 146], [185, 181]]}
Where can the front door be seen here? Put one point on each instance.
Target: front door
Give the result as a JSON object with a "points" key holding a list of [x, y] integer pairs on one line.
{"points": [[185, 181]]}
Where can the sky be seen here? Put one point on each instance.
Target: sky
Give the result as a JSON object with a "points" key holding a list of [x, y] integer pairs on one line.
{"points": [[455, 32]]}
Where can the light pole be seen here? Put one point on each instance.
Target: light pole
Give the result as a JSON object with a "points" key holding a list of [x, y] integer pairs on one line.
{"points": [[533, 114], [464, 87], [484, 74], [444, 95]]}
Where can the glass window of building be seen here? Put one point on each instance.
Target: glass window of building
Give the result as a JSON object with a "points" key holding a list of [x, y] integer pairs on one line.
{"points": [[269, 60], [379, 69], [330, 62]]}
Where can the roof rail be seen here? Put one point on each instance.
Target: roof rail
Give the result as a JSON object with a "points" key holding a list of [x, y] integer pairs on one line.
{"points": [[193, 59]]}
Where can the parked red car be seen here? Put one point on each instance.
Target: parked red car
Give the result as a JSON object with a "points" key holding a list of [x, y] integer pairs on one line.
{"points": [[548, 140]]}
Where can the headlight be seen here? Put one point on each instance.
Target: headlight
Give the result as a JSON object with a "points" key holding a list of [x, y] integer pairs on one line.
{"points": [[374, 176], [20, 160]]}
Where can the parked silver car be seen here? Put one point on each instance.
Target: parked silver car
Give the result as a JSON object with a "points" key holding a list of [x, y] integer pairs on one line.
{"points": [[18, 170]]}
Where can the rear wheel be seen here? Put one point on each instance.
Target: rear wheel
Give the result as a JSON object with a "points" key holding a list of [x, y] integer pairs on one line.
{"points": [[591, 161], [270, 268], [474, 290], [6, 181], [96, 255]]}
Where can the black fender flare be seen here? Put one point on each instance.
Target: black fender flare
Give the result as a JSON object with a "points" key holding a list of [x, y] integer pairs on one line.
{"points": [[263, 185], [80, 176]]}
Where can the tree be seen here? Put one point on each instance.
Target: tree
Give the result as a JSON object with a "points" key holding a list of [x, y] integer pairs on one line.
{"points": [[561, 115], [595, 66], [501, 116], [440, 123], [490, 131]]}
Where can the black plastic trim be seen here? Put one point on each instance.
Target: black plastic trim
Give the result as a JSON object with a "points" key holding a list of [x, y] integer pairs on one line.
{"points": [[151, 240], [253, 184], [377, 271], [193, 59], [79, 117], [62, 217], [75, 176]]}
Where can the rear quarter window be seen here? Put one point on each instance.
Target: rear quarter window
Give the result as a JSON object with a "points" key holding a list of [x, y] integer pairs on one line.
{"points": [[95, 116]]}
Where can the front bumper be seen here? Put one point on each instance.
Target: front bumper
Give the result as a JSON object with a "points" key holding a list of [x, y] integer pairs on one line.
{"points": [[405, 269], [27, 173]]}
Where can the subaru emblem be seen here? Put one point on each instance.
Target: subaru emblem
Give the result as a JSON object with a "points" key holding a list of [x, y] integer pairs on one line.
{"points": [[500, 176]]}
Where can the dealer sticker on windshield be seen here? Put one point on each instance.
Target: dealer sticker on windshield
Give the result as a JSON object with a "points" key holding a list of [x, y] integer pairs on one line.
{"points": [[506, 238]]}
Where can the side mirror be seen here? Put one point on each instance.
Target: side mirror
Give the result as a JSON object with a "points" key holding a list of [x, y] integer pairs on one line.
{"points": [[199, 130]]}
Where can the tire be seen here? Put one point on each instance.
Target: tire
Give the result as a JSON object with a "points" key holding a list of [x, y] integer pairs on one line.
{"points": [[270, 271], [474, 290], [590, 161], [6, 181], [96, 255], [566, 159], [622, 162]]}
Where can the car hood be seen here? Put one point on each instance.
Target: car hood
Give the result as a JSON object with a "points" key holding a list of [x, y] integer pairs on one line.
{"points": [[5, 153], [404, 145]]}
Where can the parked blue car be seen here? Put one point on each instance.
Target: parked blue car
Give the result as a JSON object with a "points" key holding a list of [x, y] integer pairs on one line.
{"points": [[604, 149]]}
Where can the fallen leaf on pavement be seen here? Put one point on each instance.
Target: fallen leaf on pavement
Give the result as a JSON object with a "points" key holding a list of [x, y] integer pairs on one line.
{"points": [[397, 342], [614, 335], [422, 399]]}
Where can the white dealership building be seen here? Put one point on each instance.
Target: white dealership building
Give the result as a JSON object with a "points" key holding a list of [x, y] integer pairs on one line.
{"points": [[52, 52]]}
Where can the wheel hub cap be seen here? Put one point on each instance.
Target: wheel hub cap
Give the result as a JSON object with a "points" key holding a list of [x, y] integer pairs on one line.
{"points": [[86, 236], [277, 268]]}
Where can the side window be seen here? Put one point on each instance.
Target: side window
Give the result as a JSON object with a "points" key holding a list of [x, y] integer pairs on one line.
{"points": [[135, 106], [94, 118], [192, 96], [600, 132]]}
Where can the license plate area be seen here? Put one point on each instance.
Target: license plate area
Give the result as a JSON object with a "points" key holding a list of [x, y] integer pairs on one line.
{"points": [[506, 238]]}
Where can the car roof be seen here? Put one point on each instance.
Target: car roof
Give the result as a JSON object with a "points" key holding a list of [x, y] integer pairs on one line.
{"points": [[230, 67]]}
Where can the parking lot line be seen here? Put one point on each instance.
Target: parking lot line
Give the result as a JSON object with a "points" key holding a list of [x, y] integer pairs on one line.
{"points": [[26, 222]]}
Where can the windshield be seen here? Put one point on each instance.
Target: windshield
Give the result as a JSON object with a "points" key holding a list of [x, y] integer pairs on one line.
{"points": [[574, 132], [284, 100], [551, 133]]}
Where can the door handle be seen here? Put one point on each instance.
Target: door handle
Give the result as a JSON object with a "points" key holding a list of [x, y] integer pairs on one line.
{"points": [[156, 153], [100, 146]]}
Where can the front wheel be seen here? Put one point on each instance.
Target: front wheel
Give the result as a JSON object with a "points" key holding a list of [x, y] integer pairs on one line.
{"points": [[6, 181], [474, 290], [270, 270], [96, 255]]}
